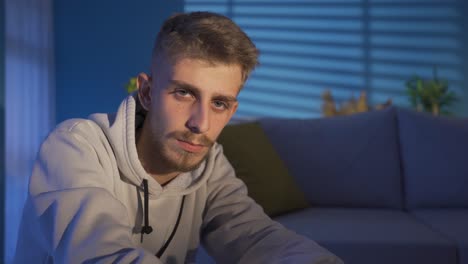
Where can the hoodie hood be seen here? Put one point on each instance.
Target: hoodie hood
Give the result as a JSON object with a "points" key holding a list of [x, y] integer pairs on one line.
{"points": [[120, 129]]}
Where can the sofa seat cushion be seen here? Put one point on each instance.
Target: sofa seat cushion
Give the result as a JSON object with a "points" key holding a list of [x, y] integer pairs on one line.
{"points": [[346, 161], [453, 223], [361, 236], [434, 160]]}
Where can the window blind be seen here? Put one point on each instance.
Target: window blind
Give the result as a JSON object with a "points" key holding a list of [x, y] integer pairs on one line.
{"points": [[346, 46]]}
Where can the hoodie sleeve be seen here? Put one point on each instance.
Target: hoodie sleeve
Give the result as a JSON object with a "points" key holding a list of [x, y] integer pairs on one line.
{"points": [[236, 230], [71, 214]]}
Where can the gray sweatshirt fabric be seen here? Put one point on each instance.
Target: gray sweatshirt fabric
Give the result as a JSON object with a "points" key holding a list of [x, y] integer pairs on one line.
{"points": [[86, 205]]}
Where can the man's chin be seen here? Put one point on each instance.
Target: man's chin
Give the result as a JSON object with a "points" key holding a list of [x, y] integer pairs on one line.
{"points": [[187, 167], [188, 161]]}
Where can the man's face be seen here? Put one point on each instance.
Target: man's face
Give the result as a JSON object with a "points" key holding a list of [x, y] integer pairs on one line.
{"points": [[191, 102]]}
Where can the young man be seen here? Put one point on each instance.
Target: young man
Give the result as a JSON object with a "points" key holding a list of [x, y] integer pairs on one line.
{"points": [[149, 184]]}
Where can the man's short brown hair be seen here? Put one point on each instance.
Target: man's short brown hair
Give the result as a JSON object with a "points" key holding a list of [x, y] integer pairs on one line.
{"points": [[206, 36]]}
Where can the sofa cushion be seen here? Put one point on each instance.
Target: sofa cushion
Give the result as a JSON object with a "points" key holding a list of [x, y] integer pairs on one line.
{"points": [[256, 163], [361, 236], [434, 157], [346, 161], [452, 223]]}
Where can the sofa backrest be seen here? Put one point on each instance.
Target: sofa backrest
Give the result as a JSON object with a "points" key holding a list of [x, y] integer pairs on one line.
{"points": [[348, 161], [434, 153]]}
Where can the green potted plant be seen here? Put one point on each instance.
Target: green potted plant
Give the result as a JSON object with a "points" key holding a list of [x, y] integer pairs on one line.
{"points": [[430, 95], [131, 85]]}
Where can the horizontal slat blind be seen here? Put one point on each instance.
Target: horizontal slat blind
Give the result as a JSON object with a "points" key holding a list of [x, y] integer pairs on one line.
{"points": [[346, 46], [412, 37]]}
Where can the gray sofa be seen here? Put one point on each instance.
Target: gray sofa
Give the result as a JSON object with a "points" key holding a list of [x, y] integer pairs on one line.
{"points": [[387, 186]]}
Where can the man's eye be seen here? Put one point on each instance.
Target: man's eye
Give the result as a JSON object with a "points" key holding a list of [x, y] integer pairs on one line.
{"points": [[220, 105], [182, 92]]}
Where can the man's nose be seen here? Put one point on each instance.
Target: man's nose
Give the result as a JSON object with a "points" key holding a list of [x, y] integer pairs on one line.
{"points": [[199, 121]]}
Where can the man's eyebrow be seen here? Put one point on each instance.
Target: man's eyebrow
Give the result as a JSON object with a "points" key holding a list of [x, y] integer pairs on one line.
{"points": [[196, 91], [225, 98]]}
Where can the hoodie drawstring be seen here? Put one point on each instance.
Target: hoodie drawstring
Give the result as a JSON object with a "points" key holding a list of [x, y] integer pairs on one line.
{"points": [[147, 229], [161, 251]]}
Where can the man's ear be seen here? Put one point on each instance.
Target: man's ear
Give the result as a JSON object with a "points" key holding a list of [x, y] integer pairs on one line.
{"points": [[144, 90]]}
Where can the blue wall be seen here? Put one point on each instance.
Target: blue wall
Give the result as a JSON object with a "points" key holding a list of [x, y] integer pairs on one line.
{"points": [[99, 46], [2, 126]]}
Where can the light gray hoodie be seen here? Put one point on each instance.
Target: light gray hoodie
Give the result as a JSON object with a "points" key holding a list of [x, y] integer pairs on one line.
{"points": [[86, 204]]}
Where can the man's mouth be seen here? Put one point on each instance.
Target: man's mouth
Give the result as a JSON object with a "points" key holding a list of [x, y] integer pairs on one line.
{"points": [[190, 147]]}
